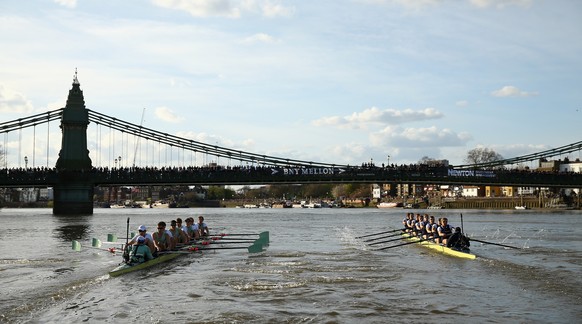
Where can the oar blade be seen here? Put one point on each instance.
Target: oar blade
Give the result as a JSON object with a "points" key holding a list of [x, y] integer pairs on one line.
{"points": [[262, 241], [111, 238], [76, 246], [95, 242], [255, 248], [264, 236]]}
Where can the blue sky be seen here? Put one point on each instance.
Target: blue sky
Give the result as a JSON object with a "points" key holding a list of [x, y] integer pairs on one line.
{"points": [[330, 81]]}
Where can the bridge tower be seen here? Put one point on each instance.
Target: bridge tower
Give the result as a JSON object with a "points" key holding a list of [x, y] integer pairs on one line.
{"points": [[73, 192]]}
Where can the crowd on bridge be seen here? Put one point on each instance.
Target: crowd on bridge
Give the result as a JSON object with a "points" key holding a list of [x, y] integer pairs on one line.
{"points": [[266, 174]]}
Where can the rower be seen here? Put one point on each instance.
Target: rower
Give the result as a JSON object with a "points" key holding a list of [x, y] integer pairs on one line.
{"points": [[458, 241], [149, 240], [202, 227], [140, 252], [423, 231], [444, 231], [163, 239], [410, 224], [179, 236], [419, 225], [431, 228], [405, 221], [192, 229]]}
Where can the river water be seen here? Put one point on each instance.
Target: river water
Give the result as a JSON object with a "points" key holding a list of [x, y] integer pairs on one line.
{"points": [[314, 271]]}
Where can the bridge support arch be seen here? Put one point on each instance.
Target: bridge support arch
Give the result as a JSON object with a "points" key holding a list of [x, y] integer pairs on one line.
{"points": [[73, 192]]}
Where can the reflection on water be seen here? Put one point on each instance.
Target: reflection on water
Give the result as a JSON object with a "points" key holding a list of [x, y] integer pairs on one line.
{"points": [[69, 228]]}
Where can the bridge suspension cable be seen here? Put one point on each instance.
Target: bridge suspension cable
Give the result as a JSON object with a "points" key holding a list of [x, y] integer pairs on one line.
{"points": [[195, 146], [526, 158]]}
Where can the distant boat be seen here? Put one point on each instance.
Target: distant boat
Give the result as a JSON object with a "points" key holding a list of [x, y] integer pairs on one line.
{"points": [[520, 207], [435, 207], [387, 205]]}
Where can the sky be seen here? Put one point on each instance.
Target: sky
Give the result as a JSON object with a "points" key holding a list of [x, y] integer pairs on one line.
{"points": [[335, 81]]}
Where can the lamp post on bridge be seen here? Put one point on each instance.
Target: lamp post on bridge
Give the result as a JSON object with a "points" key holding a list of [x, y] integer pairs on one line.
{"points": [[26, 162]]}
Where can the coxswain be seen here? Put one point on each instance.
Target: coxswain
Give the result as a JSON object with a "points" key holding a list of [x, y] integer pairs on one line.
{"points": [[140, 252], [458, 241]]}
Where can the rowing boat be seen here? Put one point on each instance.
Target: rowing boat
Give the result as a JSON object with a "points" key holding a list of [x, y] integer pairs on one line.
{"points": [[124, 268], [440, 248]]}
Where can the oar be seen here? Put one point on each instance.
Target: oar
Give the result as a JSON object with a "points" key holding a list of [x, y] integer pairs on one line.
{"points": [[220, 238], [392, 240], [382, 237], [229, 242], [263, 235], [96, 246], [508, 246], [392, 231], [254, 248], [407, 243]]}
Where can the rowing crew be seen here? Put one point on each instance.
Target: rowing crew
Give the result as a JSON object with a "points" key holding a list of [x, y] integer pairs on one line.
{"points": [[145, 246], [425, 227]]}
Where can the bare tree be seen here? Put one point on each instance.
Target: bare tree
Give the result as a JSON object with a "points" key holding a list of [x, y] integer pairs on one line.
{"points": [[425, 160], [482, 155]]}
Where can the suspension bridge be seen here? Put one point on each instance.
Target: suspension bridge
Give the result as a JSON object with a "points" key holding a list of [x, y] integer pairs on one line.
{"points": [[91, 143]]}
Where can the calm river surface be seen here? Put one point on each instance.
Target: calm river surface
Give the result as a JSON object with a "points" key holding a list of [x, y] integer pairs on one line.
{"points": [[314, 270]]}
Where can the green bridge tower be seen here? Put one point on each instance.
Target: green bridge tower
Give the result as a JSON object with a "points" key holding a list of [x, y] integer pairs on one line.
{"points": [[73, 192]]}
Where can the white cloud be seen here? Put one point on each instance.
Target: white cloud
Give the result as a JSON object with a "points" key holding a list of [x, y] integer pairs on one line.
{"points": [[500, 4], [166, 114], [511, 91], [376, 116], [67, 3], [420, 4], [260, 38], [226, 8], [418, 137], [13, 102]]}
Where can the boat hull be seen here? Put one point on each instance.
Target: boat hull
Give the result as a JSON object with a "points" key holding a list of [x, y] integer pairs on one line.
{"points": [[125, 268], [440, 248]]}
